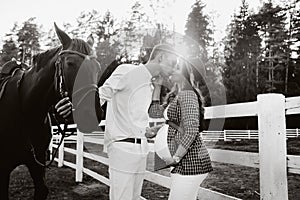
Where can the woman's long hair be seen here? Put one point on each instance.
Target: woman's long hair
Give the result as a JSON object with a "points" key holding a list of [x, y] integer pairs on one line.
{"points": [[190, 68]]}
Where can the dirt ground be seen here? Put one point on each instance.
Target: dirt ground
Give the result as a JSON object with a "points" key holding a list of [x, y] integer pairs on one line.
{"points": [[234, 180]]}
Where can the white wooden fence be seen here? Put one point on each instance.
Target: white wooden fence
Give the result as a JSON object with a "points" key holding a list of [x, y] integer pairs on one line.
{"points": [[225, 135], [272, 159]]}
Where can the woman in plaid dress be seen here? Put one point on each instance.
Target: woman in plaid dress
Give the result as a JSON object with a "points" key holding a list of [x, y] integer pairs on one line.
{"points": [[191, 162]]}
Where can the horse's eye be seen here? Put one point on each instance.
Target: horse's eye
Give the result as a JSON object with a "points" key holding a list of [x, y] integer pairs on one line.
{"points": [[70, 64]]}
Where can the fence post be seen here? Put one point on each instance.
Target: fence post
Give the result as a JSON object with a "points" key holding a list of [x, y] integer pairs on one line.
{"points": [[249, 134], [297, 132], [60, 162], [79, 156], [224, 132], [272, 147]]}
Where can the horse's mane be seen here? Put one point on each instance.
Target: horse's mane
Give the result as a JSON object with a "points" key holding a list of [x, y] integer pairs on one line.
{"points": [[39, 60], [81, 46]]}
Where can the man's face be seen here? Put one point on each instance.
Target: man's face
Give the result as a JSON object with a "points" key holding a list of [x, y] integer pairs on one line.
{"points": [[168, 64]]}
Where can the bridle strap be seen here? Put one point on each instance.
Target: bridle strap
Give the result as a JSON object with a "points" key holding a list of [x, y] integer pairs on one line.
{"points": [[60, 88], [77, 53], [59, 78], [60, 75]]}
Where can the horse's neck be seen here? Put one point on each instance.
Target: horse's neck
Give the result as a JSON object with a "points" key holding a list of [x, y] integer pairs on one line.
{"points": [[37, 87]]}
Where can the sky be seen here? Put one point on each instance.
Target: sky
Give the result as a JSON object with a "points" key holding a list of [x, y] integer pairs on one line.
{"points": [[66, 11]]}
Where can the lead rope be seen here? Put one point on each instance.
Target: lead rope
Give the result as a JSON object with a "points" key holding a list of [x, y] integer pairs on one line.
{"points": [[60, 130], [28, 139], [59, 84], [63, 135], [62, 95]]}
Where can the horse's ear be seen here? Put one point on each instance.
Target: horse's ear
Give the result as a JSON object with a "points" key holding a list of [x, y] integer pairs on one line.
{"points": [[63, 37], [90, 40]]}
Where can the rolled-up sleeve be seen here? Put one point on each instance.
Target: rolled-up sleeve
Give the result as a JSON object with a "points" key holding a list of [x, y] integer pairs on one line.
{"points": [[156, 110], [112, 84], [189, 117]]}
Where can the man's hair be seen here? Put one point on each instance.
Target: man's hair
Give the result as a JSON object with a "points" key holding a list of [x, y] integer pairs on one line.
{"points": [[166, 48]]}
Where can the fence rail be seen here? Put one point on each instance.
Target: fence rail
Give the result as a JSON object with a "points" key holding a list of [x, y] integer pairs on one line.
{"points": [[217, 155], [98, 139], [228, 135], [272, 160], [225, 135]]}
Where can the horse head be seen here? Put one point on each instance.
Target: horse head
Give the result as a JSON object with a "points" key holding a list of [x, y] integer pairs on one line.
{"points": [[77, 72]]}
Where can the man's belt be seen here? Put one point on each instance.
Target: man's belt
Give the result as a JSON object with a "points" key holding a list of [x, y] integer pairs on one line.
{"points": [[131, 140]]}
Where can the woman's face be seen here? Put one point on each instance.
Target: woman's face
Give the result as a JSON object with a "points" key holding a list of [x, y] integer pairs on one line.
{"points": [[177, 76]]}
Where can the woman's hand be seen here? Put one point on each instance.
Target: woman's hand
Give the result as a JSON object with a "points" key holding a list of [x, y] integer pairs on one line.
{"points": [[170, 161], [64, 107], [157, 81], [150, 133]]}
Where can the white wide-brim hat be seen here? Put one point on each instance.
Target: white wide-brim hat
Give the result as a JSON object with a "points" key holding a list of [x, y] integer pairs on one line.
{"points": [[161, 145]]}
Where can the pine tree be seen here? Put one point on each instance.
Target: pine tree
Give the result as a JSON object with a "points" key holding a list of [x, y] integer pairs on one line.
{"points": [[133, 31], [152, 38], [197, 28], [106, 27], [272, 24], [294, 42], [242, 49], [50, 39], [28, 39], [108, 46], [9, 51], [160, 15], [86, 24], [198, 39]]}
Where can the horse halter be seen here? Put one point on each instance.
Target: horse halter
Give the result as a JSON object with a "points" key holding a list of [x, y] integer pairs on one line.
{"points": [[60, 78], [60, 87]]}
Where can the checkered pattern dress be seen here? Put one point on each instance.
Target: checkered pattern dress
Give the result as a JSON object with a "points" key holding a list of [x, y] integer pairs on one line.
{"points": [[183, 110]]}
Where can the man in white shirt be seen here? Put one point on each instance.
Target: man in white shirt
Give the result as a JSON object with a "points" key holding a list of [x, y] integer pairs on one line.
{"points": [[128, 92]]}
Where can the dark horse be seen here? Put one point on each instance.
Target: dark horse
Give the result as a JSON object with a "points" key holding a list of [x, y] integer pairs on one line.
{"points": [[25, 128]]}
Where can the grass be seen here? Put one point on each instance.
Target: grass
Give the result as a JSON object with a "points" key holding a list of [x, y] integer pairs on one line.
{"points": [[234, 180], [293, 145], [61, 182]]}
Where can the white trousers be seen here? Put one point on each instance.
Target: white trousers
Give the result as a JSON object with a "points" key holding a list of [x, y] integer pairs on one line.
{"points": [[127, 167], [185, 187], [125, 186]]}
